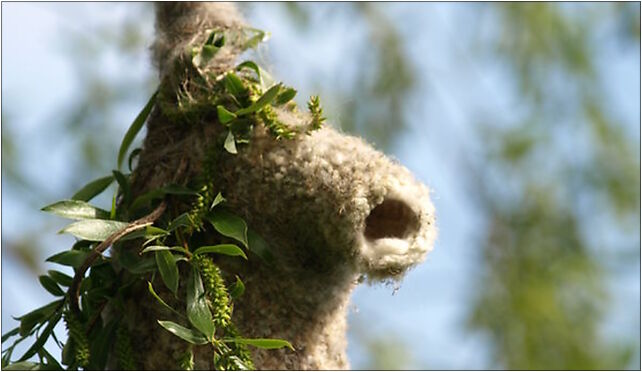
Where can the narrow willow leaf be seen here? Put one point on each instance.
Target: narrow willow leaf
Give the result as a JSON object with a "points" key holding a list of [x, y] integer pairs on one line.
{"points": [[132, 156], [52, 364], [75, 209], [125, 188], [207, 53], [189, 335], [259, 37], [24, 366], [159, 299], [93, 188], [198, 312], [234, 85], [154, 248], [252, 66], [50, 285], [224, 116], [285, 96], [226, 249], [135, 128], [230, 225], [149, 232], [217, 200], [263, 343], [42, 338], [238, 289], [230, 144], [93, 230], [182, 220], [168, 269], [12, 332], [265, 99], [60, 278], [259, 246], [69, 258]]}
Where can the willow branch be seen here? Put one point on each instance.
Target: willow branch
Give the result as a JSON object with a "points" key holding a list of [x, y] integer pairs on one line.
{"points": [[74, 288]]}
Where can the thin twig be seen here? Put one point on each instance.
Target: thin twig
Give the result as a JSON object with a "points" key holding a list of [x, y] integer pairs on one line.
{"points": [[74, 288]]}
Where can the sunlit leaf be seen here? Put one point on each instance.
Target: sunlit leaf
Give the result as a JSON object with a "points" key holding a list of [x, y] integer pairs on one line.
{"points": [[189, 335], [263, 343], [217, 200], [93, 230], [264, 100], [285, 96], [224, 116], [230, 144], [76, 209]]}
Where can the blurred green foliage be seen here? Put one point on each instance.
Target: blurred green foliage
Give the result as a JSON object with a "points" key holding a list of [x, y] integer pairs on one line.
{"points": [[543, 294]]}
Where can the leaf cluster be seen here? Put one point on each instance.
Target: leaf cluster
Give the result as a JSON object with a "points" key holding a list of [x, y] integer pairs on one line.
{"points": [[164, 245]]}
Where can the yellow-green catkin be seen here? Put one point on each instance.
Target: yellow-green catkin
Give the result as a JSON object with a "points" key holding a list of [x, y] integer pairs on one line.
{"points": [[123, 348], [215, 290], [80, 342]]}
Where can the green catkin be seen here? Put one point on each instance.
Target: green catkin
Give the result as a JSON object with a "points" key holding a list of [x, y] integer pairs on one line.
{"points": [[123, 348], [215, 290], [79, 339], [186, 360]]}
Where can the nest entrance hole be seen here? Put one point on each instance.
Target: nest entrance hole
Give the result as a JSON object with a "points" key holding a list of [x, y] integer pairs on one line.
{"points": [[391, 219]]}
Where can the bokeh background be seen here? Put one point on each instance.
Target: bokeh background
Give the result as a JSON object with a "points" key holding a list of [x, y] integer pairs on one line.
{"points": [[524, 119]]}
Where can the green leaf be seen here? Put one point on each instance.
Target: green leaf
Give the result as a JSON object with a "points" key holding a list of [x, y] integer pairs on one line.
{"points": [[224, 116], [60, 278], [230, 144], [135, 128], [93, 188], [12, 332], [285, 96], [69, 258], [263, 343], [186, 334], [182, 220], [259, 37], [50, 285], [135, 264], [238, 289], [133, 154], [198, 312], [154, 248], [230, 225], [234, 85], [259, 246], [24, 366], [159, 299], [252, 66], [75, 209], [217, 200], [149, 232], [168, 270], [125, 188], [42, 338], [226, 249], [265, 99], [93, 230], [29, 320]]}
